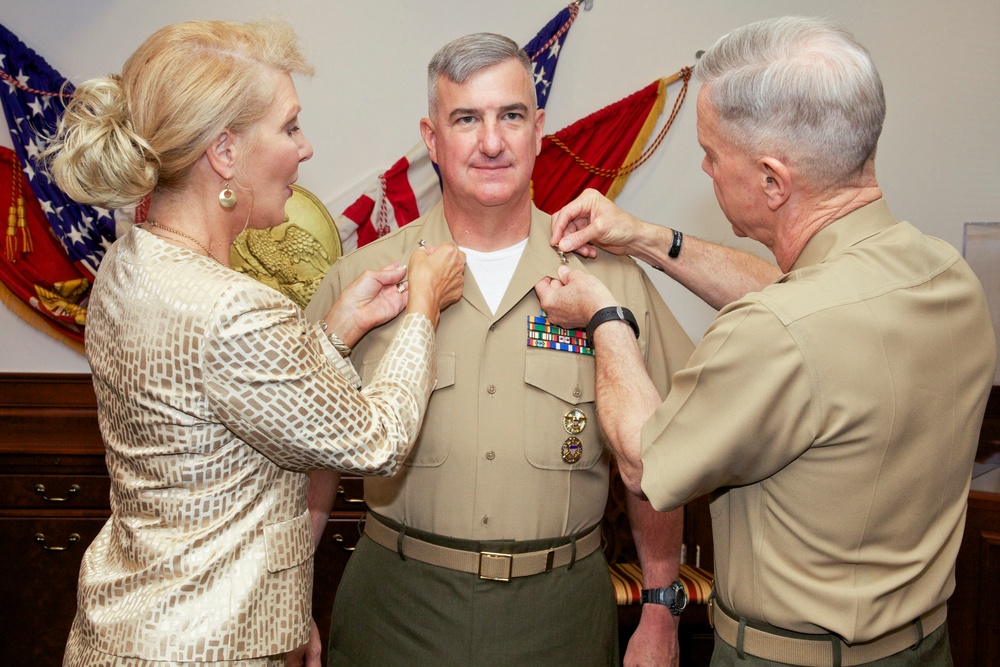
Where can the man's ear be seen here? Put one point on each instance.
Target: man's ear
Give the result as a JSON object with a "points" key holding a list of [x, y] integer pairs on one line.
{"points": [[539, 130], [221, 154], [775, 181], [429, 134]]}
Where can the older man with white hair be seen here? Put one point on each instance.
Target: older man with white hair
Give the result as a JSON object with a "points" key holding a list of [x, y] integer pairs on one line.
{"points": [[833, 407]]}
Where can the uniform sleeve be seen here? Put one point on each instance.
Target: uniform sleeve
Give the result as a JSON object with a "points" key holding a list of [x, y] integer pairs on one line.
{"points": [[270, 380], [326, 294], [667, 346], [739, 412]]}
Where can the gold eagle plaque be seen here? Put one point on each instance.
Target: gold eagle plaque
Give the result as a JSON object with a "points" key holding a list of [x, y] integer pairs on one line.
{"points": [[292, 257]]}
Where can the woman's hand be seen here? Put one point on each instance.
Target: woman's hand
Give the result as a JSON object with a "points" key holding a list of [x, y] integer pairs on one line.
{"points": [[436, 278], [309, 654], [372, 299]]}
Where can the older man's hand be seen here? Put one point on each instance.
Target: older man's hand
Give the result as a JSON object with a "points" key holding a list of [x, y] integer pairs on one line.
{"points": [[593, 220], [572, 299]]}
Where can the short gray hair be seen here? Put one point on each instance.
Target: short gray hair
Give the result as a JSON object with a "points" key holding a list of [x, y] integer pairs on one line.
{"points": [[461, 59], [800, 88]]}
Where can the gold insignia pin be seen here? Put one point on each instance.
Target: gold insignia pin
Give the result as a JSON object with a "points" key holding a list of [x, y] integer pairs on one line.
{"points": [[572, 450], [574, 422]]}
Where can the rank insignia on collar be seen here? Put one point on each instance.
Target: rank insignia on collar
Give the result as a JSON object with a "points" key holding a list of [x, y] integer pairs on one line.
{"points": [[542, 333]]}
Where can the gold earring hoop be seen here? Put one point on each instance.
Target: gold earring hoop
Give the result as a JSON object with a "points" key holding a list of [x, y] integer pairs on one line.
{"points": [[227, 198]]}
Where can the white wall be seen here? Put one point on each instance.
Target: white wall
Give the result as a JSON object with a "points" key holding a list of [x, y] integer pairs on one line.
{"points": [[939, 159]]}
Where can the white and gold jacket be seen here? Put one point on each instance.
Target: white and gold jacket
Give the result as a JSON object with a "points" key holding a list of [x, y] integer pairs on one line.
{"points": [[214, 395]]}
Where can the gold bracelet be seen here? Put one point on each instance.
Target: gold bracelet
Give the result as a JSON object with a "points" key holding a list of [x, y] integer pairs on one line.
{"points": [[343, 348]]}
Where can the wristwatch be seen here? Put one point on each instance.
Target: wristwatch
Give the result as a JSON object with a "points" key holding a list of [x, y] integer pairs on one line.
{"points": [[673, 597], [608, 314]]}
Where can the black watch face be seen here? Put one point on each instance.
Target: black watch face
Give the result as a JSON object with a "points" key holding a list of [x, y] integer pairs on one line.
{"points": [[682, 598]]}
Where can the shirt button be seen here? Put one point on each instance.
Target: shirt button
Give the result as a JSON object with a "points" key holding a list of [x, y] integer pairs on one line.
{"points": [[576, 391], [491, 389], [490, 455], [486, 519]]}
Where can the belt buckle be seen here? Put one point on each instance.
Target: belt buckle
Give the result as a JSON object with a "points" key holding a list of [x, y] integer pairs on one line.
{"points": [[490, 557]]}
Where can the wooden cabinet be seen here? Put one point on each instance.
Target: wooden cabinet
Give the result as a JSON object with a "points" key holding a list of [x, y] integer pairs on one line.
{"points": [[339, 539], [974, 608], [53, 501]]}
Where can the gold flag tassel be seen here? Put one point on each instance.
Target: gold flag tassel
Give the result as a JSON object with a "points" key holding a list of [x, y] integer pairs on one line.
{"points": [[12, 233], [22, 224], [16, 219]]}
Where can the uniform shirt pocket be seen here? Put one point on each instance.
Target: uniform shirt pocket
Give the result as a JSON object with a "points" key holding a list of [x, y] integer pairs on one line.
{"points": [[288, 543], [559, 410], [434, 442]]}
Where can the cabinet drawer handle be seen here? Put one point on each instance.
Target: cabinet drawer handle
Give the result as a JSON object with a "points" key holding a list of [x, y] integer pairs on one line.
{"points": [[73, 490], [40, 538], [343, 494], [339, 539]]}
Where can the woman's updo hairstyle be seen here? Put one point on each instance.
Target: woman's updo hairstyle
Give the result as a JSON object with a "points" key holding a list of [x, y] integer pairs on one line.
{"points": [[124, 137]]}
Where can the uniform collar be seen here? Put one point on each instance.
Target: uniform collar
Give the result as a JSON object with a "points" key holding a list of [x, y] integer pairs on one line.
{"points": [[538, 260], [845, 232]]}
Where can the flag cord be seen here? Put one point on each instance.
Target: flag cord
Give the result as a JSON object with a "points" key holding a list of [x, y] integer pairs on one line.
{"points": [[17, 84], [574, 10], [684, 74]]}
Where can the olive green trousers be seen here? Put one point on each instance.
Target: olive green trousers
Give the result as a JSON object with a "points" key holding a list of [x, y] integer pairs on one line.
{"points": [[389, 611]]}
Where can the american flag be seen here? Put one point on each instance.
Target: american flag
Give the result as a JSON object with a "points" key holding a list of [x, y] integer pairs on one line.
{"points": [[33, 95], [411, 186]]}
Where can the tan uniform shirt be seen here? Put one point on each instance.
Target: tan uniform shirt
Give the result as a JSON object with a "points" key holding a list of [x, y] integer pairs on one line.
{"points": [[212, 391], [837, 412], [488, 463]]}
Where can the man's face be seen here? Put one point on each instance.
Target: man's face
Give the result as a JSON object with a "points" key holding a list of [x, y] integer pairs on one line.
{"points": [[734, 174], [485, 136]]}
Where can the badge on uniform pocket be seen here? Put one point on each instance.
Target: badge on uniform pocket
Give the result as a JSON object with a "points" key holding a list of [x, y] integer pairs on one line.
{"points": [[572, 449]]}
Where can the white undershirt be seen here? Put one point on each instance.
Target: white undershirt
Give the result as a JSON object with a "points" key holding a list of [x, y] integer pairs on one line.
{"points": [[493, 270]]}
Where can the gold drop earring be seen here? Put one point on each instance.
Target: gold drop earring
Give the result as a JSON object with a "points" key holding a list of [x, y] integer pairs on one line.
{"points": [[227, 198]]}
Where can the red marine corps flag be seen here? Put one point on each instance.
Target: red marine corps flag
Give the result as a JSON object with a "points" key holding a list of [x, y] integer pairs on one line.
{"points": [[39, 282], [603, 149]]}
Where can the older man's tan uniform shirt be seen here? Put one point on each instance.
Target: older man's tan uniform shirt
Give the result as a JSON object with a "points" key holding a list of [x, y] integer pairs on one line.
{"points": [[837, 412], [213, 390], [488, 463]]}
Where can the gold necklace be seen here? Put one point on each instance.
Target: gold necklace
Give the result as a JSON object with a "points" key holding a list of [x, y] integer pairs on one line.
{"points": [[201, 245]]}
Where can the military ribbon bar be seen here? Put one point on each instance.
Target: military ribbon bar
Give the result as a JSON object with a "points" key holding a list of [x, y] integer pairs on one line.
{"points": [[542, 333]]}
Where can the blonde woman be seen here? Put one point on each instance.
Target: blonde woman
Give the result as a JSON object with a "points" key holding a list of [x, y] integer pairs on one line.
{"points": [[214, 392]]}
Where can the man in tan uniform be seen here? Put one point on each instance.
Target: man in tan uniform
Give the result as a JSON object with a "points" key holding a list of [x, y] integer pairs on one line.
{"points": [[485, 549], [834, 412]]}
